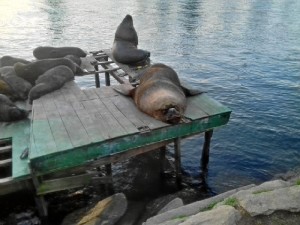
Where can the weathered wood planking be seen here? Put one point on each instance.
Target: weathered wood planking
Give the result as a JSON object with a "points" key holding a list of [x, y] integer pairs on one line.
{"points": [[110, 123]]}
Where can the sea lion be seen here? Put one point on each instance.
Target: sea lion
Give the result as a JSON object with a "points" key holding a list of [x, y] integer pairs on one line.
{"points": [[160, 93], [74, 58], [20, 86], [6, 89], [10, 61], [46, 52], [51, 80], [32, 71], [125, 44], [9, 111]]}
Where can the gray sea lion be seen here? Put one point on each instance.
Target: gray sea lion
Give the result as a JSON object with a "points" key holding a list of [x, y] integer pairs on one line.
{"points": [[51, 80], [32, 71], [159, 93], [9, 111], [10, 61], [125, 44], [20, 86], [74, 58], [46, 52]]}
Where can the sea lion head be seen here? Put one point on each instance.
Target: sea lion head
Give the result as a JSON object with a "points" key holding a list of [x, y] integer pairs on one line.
{"points": [[169, 114], [126, 31], [16, 113]]}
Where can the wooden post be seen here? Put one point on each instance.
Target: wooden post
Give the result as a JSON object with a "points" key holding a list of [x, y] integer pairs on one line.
{"points": [[109, 186], [162, 159], [39, 200], [177, 161], [107, 77], [205, 151], [97, 79]]}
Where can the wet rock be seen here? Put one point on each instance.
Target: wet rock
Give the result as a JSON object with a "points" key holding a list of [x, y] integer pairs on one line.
{"points": [[225, 215], [108, 212]]}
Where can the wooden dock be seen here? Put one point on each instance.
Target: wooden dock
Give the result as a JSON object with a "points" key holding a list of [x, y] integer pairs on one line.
{"points": [[75, 128]]}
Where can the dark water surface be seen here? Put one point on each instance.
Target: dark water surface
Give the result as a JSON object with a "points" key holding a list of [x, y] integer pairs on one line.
{"points": [[246, 53]]}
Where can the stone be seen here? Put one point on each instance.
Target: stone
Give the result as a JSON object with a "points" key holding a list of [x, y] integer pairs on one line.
{"points": [[222, 215], [267, 202], [107, 211], [193, 208], [175, 203]]}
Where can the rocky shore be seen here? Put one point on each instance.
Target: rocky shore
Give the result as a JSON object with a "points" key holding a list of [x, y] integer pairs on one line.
{"points": [[270, 203]]}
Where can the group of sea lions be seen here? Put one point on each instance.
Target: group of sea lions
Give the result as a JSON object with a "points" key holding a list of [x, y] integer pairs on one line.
{"points": [[159, 93], [21, 79]]}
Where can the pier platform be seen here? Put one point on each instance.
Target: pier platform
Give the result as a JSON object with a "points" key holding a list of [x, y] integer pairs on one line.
{"points": [[77, 128]]}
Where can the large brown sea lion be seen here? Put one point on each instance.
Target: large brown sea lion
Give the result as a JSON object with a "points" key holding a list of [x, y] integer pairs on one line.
{"points": [[51, 80], [124, 48], [10, 61], [46, 52], [9, 111], [160, 93], [32, 71], [19, 86]]}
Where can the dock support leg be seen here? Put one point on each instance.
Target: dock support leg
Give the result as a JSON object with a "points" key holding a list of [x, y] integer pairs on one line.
{"points": [[109, 186], [162, 159], [39, 200], [205, 151], [97, 78], [107, 77], [177, 161]]}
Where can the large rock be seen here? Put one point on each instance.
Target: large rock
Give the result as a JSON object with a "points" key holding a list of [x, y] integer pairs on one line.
{"points": [[267, 202]]}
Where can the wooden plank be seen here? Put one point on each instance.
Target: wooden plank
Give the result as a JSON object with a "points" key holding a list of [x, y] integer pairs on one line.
{"points": [[5, 162], [94, 126], [41, 131], [90, 93], [20, 143], [59, 132], [105, 92], [60, 184], [125, 123], [78, 156], [129, 109], [208, 105], [76, 131], [5, 149], [194, 110], [113, 128]]}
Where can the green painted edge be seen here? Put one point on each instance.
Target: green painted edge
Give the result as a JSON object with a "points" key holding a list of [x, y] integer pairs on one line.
{"points": [[77, 156]]}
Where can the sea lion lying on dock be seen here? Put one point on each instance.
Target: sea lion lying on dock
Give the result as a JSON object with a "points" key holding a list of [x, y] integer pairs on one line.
{"points": [[9, 111], [159, 93], [19, 86], [32, 71], [124, 48], [51, 80], [47, 52], [10, 61]]}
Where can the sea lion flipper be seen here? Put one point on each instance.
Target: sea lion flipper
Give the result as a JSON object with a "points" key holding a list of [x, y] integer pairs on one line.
{"points": [[189, 90], [124, 89]]}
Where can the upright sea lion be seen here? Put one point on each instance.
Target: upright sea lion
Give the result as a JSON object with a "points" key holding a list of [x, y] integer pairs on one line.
{"points": [[10, 61], [32, 71], [51, 80], [124, 48], [19, 86], [160, 94], [9, 111], [46, 52]]}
